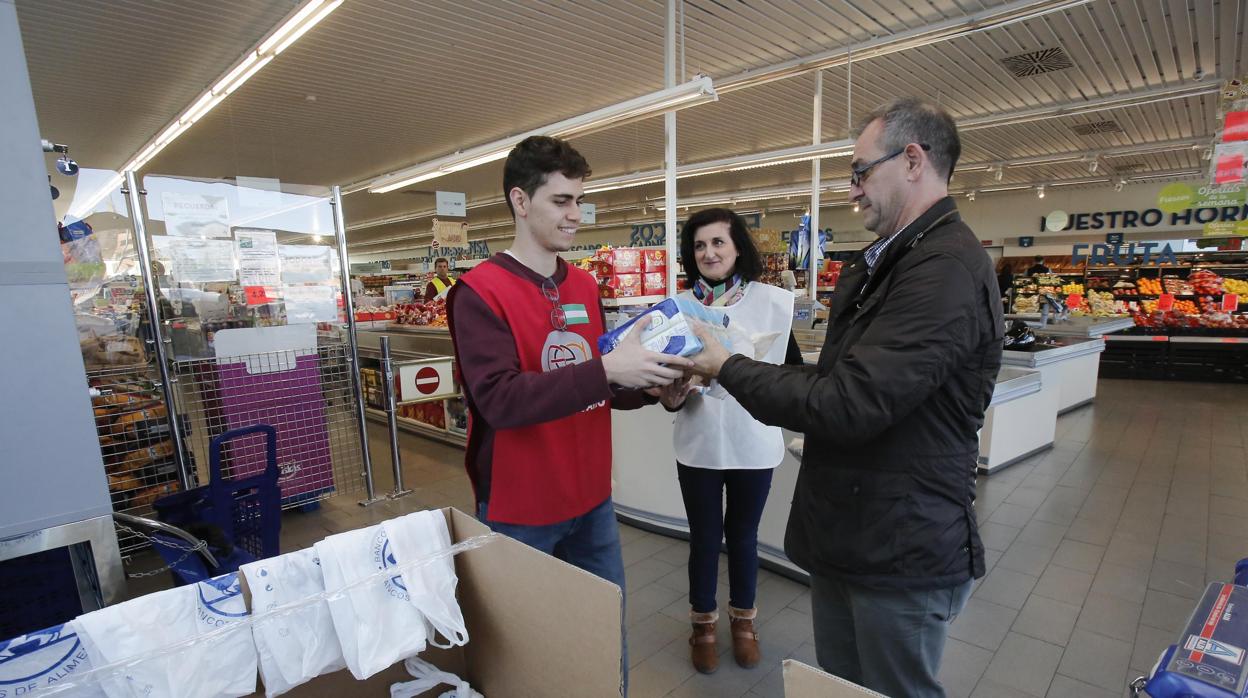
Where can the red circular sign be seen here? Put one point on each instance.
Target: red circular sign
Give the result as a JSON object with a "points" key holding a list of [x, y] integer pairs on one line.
{"points": [[428, 380]]}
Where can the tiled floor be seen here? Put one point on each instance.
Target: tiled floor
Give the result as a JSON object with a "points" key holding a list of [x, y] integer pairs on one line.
{"points": [[1097, 550]]}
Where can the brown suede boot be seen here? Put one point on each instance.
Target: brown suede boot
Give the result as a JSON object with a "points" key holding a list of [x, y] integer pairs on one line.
{"points": [[705, 651], [744, 638]]}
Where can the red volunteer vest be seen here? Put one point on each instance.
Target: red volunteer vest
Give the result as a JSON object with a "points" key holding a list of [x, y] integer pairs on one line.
{"points": [[557, 470]]}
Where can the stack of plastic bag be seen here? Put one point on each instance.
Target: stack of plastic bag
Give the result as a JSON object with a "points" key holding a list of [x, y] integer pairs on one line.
{"points": [[298, 644], [382, 618], [175, 643]]}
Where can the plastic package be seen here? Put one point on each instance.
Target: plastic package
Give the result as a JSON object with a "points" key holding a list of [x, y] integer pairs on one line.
{"points": [[667, 327]]}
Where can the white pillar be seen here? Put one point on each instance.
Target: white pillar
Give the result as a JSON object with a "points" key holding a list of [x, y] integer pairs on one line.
{"points": [[669, 151], [812, 274]]}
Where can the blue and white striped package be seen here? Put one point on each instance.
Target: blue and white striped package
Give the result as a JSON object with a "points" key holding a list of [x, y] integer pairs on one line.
{"points": [[666, 328]]}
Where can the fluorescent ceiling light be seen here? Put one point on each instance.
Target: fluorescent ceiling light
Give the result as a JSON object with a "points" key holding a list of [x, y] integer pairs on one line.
{"points": [[695, 91], [256, 58]]}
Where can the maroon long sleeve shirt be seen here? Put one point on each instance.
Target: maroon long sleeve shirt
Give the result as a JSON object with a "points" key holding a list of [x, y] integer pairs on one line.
{"points": [[500, 395]]}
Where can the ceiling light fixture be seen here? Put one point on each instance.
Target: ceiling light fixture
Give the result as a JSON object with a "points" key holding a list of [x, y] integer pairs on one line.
{"points": [[970, 195], [999, 174], [295, 25], [856, 207], [1040, 192], [696, 91], [1121, 183]]}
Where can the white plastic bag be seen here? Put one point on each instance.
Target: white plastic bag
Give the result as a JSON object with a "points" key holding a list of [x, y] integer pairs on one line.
{"points": [[295, 646], [430, 586], [428, 676], [376, 623], [44, 659], [153, 626]]}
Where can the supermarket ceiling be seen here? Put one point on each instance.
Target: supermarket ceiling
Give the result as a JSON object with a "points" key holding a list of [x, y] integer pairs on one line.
{"points": [[380, 85]]}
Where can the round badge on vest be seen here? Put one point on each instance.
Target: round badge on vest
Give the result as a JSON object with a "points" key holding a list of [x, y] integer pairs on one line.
{"points": [[564, 348]]}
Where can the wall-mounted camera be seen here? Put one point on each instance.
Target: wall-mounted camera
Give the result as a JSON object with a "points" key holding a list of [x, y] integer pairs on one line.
{"points": [[64, 164]]}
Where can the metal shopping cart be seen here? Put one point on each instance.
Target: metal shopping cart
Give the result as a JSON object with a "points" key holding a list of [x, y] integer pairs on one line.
{"points": [[238, 518]]}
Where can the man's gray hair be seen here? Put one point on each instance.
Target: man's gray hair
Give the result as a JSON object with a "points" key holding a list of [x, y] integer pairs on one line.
{"points": [[912, 120]]}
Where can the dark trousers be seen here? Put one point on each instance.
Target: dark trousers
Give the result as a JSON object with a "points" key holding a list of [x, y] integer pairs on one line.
{"points": [[710, 523], [887, 640]]}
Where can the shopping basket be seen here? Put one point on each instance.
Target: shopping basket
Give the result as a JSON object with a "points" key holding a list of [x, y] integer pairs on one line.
{"points": [[239, 517]]}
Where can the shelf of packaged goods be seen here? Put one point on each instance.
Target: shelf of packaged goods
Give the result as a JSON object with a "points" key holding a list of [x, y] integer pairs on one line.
{"points": [[419, 428], [639, 300]]}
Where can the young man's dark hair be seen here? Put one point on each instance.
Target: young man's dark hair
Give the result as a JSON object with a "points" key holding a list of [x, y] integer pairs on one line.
{"points": [[749, 264], [533, 159]]}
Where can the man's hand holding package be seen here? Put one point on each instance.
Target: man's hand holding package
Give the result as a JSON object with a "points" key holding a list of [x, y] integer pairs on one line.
{"points": [[673, 395], [711, 359], [631, 365]]}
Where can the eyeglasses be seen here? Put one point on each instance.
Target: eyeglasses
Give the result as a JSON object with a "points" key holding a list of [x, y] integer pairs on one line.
{"points": [[858, 175], [558, 319]]}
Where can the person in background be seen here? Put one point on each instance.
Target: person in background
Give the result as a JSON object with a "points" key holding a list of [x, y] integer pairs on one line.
{"points": [[442, 282], [525, 327], [1038, 268], [882, 513], [719, 446]]}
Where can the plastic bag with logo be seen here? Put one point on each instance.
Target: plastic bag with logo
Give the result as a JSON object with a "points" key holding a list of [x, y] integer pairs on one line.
{"points": [[295, 646], [46, 659], [430, 586], [377, 624], [177, 643]]}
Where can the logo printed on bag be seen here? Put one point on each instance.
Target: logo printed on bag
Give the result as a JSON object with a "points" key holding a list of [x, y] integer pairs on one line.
{"points": [[383, 558], [215, 596], [1213, 648], [65, 656]]}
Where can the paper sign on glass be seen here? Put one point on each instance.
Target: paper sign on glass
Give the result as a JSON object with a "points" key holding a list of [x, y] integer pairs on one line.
{"points": [[196, 261], [306, 263], [258, 295], [309, 304], [258, 264], [195, 215]]}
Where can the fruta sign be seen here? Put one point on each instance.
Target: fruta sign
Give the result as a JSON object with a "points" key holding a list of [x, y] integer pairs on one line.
{"points": [[1114, 254]]}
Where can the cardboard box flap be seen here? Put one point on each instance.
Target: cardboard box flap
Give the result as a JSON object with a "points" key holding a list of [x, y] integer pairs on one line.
{"points": [[804, 681], [537, 626]]}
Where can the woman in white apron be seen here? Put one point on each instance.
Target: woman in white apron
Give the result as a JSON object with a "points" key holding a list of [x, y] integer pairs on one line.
{"points": [[719, 446]]}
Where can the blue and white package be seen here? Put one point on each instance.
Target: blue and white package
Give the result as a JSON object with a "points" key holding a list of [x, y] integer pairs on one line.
{"points": [[666, 328], [45, 659], [1209, 660]]}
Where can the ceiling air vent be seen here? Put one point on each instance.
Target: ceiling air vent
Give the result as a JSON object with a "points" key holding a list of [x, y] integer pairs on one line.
{"points": [[1096, 127], [1129, 166], [1026, 65]]}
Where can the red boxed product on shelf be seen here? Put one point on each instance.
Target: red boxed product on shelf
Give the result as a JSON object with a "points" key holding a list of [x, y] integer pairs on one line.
{"points": [[654, 261], [622, 286], [625, 260], [654, 283], [600, 269]]}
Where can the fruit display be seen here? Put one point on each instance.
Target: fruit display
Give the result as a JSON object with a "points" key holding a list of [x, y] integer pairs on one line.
{"points": [[1027, 304], [1068, 289], [1177, 286], [1125, 288], [431, 413], [1235, 286], [1101, 304], [424, 314], [1149, 287], [1204, 281]]}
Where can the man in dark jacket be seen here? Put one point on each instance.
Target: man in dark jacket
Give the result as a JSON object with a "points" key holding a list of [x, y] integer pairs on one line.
{"points": [[882, 513]]}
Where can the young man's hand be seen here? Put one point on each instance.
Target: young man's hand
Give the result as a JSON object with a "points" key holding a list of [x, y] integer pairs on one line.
{"points": [[631, 365]]}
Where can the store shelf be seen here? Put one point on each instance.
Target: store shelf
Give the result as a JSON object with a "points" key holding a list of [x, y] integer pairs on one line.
{"points": [[825, 289], [1136, 338], [420, 428], [1208, 340], [622, 302]]}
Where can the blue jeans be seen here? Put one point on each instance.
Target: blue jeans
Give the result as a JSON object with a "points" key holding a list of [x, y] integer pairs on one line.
{"points": [[710, 523], [886, 640], [590, 541]]}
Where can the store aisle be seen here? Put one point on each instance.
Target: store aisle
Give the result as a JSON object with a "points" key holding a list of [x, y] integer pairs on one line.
{"points": [[1097, 552]]}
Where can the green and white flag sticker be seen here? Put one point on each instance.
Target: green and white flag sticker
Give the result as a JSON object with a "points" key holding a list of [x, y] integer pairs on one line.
{"points": [[575, 314]]}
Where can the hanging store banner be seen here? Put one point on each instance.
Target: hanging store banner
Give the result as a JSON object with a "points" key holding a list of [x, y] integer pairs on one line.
{"points": [[1235, 126], [196, 261], [1229, 160], [195, 215], [258, 263], [452, 204], [306, 304], [1220, 210], [306, 263], [450, 233]]}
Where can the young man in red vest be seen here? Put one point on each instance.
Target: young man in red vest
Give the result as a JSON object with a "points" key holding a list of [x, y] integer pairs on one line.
{"points": [[525, 325]]}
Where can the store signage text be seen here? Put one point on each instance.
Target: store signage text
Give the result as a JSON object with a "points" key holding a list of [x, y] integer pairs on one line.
{"points": [[1123, 255], [1150, 218]]}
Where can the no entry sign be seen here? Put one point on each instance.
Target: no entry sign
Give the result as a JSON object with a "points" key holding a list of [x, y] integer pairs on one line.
{"points": [[421, 381]]}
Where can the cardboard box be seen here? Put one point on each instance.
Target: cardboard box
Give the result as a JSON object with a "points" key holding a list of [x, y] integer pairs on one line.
{"points": [[804, 681], [622, 286], [654, 261], [654, 284], [537, 626]]}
